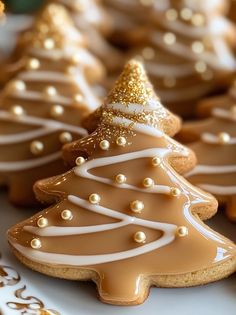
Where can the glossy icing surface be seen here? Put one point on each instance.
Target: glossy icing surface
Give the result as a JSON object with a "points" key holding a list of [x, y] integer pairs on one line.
{"points": [[99, 232]]}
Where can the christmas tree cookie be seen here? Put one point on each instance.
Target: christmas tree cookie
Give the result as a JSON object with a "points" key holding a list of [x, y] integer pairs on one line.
{"points": [[123, 217], [43, 106], [214, 142]]}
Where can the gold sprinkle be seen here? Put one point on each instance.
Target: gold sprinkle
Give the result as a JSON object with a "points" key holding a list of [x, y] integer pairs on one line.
{"points": [[186, 14], [197, 47], [198, 19], [171, 15], [200, 66], [169, 38]]}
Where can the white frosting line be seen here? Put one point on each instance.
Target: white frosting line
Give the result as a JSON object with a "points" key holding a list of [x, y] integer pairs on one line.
{"points": [[42, 76], [213, 139], [176, 70], [223, 113], [48, 125], [210, 169], [28, 164], [134, 108], [219, 190]]}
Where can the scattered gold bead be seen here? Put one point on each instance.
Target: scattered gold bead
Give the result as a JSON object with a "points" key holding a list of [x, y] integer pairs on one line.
{"points": [[66, 215], [94, 199], [121, 141], [79, 161], [186, 14], [75, 59], [223, 138], [56, 111], [120, 179], [156, 161], [49, 44], [169, 38], [200, 66], [148, 53], [198, 19], [182, 231], [197, 47], [35, 243], [148, 182], [50, 91], [16, 85], [17, 110], [171, 15], [65, 137], [104, 145], [78, 98], [42, 222], [33, 64], [36, 147], [136, 206], [140, 237], [71, 70], [175, 192]]}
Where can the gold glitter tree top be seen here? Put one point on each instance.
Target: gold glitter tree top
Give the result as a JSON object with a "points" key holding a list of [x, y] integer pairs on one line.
{"points": [[54, 24], [133, 86]]}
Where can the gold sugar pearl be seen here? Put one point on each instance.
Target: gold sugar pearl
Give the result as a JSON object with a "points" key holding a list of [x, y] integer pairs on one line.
{"points": [[79, 161], [36, 147], [104, 145], [121, 141], [182, 231], [57, 111], [136, 206], [78, 98], [49, 44], [66, 215], [140, 237], [17, 110], [16, 85], [198, 19], [148, 53], [65, 137], [223, 138], [71, 70], [33, 64], [198, 47], [175, 192], [171, 15], [50, 91], [35, 243], [169, 38], [76, 59], [42, 222], [94, 199], [148, 182], [156, 161], [200, 66], [120, 179], [186, 14]]}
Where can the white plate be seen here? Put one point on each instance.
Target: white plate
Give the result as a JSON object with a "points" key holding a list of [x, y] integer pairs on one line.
{"points": [[76, 298]]}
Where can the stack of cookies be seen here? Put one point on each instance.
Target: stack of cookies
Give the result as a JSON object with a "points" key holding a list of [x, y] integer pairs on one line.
{"points": [[125, 200]]}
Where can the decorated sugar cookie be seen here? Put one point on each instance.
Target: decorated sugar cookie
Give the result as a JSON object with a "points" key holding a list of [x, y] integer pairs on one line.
{"points": [[123, 217], [42, 107], [187, 47], [214, 142]]}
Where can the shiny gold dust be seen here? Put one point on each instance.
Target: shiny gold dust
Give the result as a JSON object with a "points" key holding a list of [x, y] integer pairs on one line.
{"points": [[132, 87], [140, 237], [171, 15], [65, 137], [148, 53], [17, 110], [36, 147], [56, 111], [136, 206], [66, 215], [169, 38], [120, 179], [35, 243], [182, 231], [94, 199], [79, 160], [223, 138], [42, 222]]}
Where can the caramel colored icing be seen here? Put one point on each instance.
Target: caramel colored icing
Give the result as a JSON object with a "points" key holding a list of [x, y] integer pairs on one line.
{"points": [[43, 106], [215, 142], [125, 228]]}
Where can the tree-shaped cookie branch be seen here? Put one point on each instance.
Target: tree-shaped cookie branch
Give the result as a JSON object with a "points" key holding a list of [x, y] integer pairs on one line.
{"points": [[214, 141], [42, 107], [188, 49], [123, 217]]}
